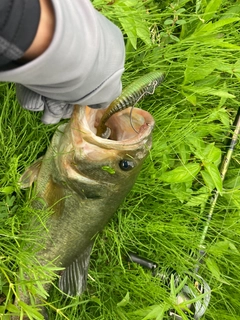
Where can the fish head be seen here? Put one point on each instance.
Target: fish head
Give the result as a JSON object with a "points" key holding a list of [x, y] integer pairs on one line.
{"points": [[95, 166]]}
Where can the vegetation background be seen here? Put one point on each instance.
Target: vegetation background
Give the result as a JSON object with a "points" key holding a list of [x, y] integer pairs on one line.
{"points": [[197, 45]]}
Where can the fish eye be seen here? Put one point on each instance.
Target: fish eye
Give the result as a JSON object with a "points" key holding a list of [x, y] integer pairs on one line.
{"points": [[126, 165]]}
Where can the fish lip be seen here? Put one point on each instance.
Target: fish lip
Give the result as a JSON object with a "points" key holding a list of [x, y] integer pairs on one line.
{"points": [[87, 119]]}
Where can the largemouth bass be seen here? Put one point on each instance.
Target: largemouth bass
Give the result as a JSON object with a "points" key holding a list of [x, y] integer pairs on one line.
{"points": [[84, 178]]}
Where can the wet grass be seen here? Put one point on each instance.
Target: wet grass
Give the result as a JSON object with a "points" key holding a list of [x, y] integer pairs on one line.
{"points": [[163, 217]]}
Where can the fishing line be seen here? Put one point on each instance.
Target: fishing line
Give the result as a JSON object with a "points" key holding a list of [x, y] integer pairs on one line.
{"points": [[223, 170], [152, 85], [131, 95], [200, 284]]}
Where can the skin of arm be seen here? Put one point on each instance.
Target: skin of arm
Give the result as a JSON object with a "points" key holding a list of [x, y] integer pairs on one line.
{"points": [[44, 33]]}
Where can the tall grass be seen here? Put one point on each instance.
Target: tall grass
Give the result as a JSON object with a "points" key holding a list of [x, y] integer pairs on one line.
{"points": [[197, 45]]}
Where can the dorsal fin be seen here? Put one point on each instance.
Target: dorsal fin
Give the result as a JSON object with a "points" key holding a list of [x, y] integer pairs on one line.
{"points": [[30, 175], [73, 281]]}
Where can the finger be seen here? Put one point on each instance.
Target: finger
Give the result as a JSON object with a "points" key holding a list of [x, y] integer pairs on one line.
{"points": [[29, 99], [55, 110]]}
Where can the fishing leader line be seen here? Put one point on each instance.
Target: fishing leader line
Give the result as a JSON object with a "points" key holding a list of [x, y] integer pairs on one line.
{"points": [[223, 170], [152, 85]]}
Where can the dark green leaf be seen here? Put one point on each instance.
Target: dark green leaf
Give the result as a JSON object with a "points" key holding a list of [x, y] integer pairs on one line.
{"points": [[208, 180], [212, 154], [181, 174], [213, 171], [168, 21], [124, 301], [211, 9], [197, 200]]}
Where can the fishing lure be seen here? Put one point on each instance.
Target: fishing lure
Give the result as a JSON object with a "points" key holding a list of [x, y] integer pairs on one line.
{"points": [[133, 93]]}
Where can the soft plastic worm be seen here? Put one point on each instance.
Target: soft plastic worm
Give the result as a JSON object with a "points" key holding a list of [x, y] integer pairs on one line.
{"points": [[138, 89]]}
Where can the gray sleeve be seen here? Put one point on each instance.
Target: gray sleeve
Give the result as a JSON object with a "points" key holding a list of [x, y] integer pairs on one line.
{"points": [[84, 61]]}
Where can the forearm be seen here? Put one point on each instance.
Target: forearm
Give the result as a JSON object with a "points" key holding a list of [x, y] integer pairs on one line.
{"points": [[19, 20], [44, 33]]}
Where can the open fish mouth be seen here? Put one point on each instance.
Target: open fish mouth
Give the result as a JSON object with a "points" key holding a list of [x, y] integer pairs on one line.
{"points": [[128, 127], [86, 155], [125, 124]]}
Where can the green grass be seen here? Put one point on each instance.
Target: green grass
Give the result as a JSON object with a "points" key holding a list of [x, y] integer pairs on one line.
{"points": [[197, 45]]}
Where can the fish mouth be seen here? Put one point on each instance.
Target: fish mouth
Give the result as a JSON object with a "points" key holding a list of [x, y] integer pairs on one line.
{"points": [[128, 127], [87, 158]]}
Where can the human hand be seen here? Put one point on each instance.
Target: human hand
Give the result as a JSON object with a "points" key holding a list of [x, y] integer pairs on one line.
{"points": [[54, 110]]}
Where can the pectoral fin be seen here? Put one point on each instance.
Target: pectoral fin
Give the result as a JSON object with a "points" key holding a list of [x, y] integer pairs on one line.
{"points": [[74, 278], [31, 174]]}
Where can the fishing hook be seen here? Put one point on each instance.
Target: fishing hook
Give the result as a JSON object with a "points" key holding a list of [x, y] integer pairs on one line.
{"points": [[152, 85]]}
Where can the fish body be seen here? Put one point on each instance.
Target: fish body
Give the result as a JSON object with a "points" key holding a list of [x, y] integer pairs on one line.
{"points": [[83, 179], [132, 94]]}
